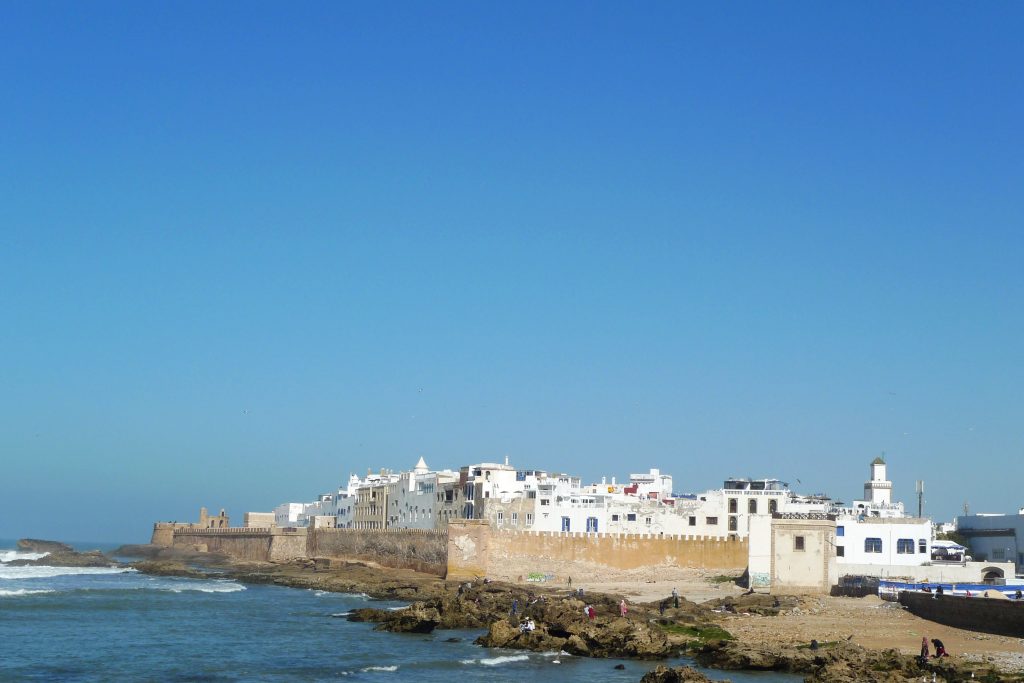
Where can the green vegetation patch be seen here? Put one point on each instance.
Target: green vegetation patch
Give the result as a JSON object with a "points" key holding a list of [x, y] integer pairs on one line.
{"points": [[702, 633]]}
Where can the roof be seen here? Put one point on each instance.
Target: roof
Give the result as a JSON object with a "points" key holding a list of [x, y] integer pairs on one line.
{"points": [[878, 461]]}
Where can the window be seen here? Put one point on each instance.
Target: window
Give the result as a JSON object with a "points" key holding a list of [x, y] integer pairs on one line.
{"points": [[565, 524], [631, 517], [515, 519], [693, 521], [773, 506], [752, 506], [733, 505], [732, 523], [529, 518], [872, 545], [840, 531], [648, 521], [922, 545], [501, 516], [592, 524], [711, 521], [545, 501], [998, 554], [615, 518], [798, 543], [904, 546], [840, 551]]}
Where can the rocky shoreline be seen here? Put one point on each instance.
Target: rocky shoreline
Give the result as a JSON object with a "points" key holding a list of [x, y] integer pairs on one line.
{"points": [[647, 631]]}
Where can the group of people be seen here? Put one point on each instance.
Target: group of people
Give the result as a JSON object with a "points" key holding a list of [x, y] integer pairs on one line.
{"points": [[673, 600], [940, 650], [527, 625]]}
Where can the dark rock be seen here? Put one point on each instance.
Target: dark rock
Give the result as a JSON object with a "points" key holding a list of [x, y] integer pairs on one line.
{"points": [[840, 662], [679, 674], [165, 568], [60, 555], [35, 545]]}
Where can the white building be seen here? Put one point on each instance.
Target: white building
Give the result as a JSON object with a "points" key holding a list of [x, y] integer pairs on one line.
{"points": [[882, 541], [995, 537], [413, 501]]}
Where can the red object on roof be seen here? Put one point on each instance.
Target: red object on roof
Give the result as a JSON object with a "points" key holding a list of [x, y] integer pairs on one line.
{"points": [[630, 489]]}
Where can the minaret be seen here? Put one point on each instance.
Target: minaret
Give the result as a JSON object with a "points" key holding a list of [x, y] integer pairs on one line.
{"points": [[879, 489]]}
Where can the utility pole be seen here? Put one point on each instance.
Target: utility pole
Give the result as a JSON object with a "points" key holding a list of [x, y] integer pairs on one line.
{"points": [[920, 497]]}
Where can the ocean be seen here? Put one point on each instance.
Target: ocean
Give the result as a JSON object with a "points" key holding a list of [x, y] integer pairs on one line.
{"points": [[88, 624]]}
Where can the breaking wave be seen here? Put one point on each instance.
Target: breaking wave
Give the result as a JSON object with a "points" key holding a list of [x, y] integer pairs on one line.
{"points": [[11, 555], [36, 572], [4, 593], [497, 661]]}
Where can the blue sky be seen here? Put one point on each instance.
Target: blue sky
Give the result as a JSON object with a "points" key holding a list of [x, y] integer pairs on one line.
{"points": [[248, 249]]}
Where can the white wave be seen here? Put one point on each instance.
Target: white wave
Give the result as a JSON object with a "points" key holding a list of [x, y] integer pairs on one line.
{"points": [[379, 668], [496, 661], [342, 614], [398, 609], [23, 591], [201, 587], [49, 572], [560, 653], [11, 555]]}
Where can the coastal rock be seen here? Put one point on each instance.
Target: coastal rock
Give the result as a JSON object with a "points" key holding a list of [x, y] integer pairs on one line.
{"points": [[59, 555], [169, 568], [35, 545], [679, 674], [755, 603], [840, 662], [417, 618], [561, 625]]}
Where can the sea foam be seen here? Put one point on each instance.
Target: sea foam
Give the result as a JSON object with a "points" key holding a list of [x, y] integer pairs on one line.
{"points": [[4, 593], [37, 572], [11, 555], [497, 661]]}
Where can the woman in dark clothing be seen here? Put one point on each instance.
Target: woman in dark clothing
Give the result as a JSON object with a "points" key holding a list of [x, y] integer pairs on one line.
{"points": [[940, 649]]}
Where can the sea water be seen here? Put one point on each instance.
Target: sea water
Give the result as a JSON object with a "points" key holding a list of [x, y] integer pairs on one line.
{"points": [[96, 624]]}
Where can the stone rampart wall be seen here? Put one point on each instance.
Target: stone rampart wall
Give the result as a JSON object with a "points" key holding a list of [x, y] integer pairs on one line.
{"points": [[402, 548], [476, 549], [241, 544], [988, 615]]}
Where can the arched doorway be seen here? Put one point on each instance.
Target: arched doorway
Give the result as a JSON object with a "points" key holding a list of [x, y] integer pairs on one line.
{"points": [[990, 574]]}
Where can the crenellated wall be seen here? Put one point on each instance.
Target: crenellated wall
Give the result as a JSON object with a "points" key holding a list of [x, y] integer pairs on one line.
{"points": [[477, 549]]}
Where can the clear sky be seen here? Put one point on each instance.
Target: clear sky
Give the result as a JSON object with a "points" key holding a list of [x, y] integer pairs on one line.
{"points": [[247, 249]]}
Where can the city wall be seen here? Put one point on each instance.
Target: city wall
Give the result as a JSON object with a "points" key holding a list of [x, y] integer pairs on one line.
{"points": [[988, 615], [477, 549], [254, 545], [400, 548], [422, 550]]}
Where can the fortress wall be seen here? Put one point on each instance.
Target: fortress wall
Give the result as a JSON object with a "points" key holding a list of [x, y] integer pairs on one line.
{"points": [[988, 615], [476, 549], [241, 544], [421, 550]]}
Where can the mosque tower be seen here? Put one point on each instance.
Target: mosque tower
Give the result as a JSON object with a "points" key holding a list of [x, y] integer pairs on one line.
{"points": [[878, 491]]}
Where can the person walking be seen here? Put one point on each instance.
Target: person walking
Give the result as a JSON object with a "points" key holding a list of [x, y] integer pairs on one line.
{"points": [[515, 606], [675, 598], [924, 649], [622, 607]]}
